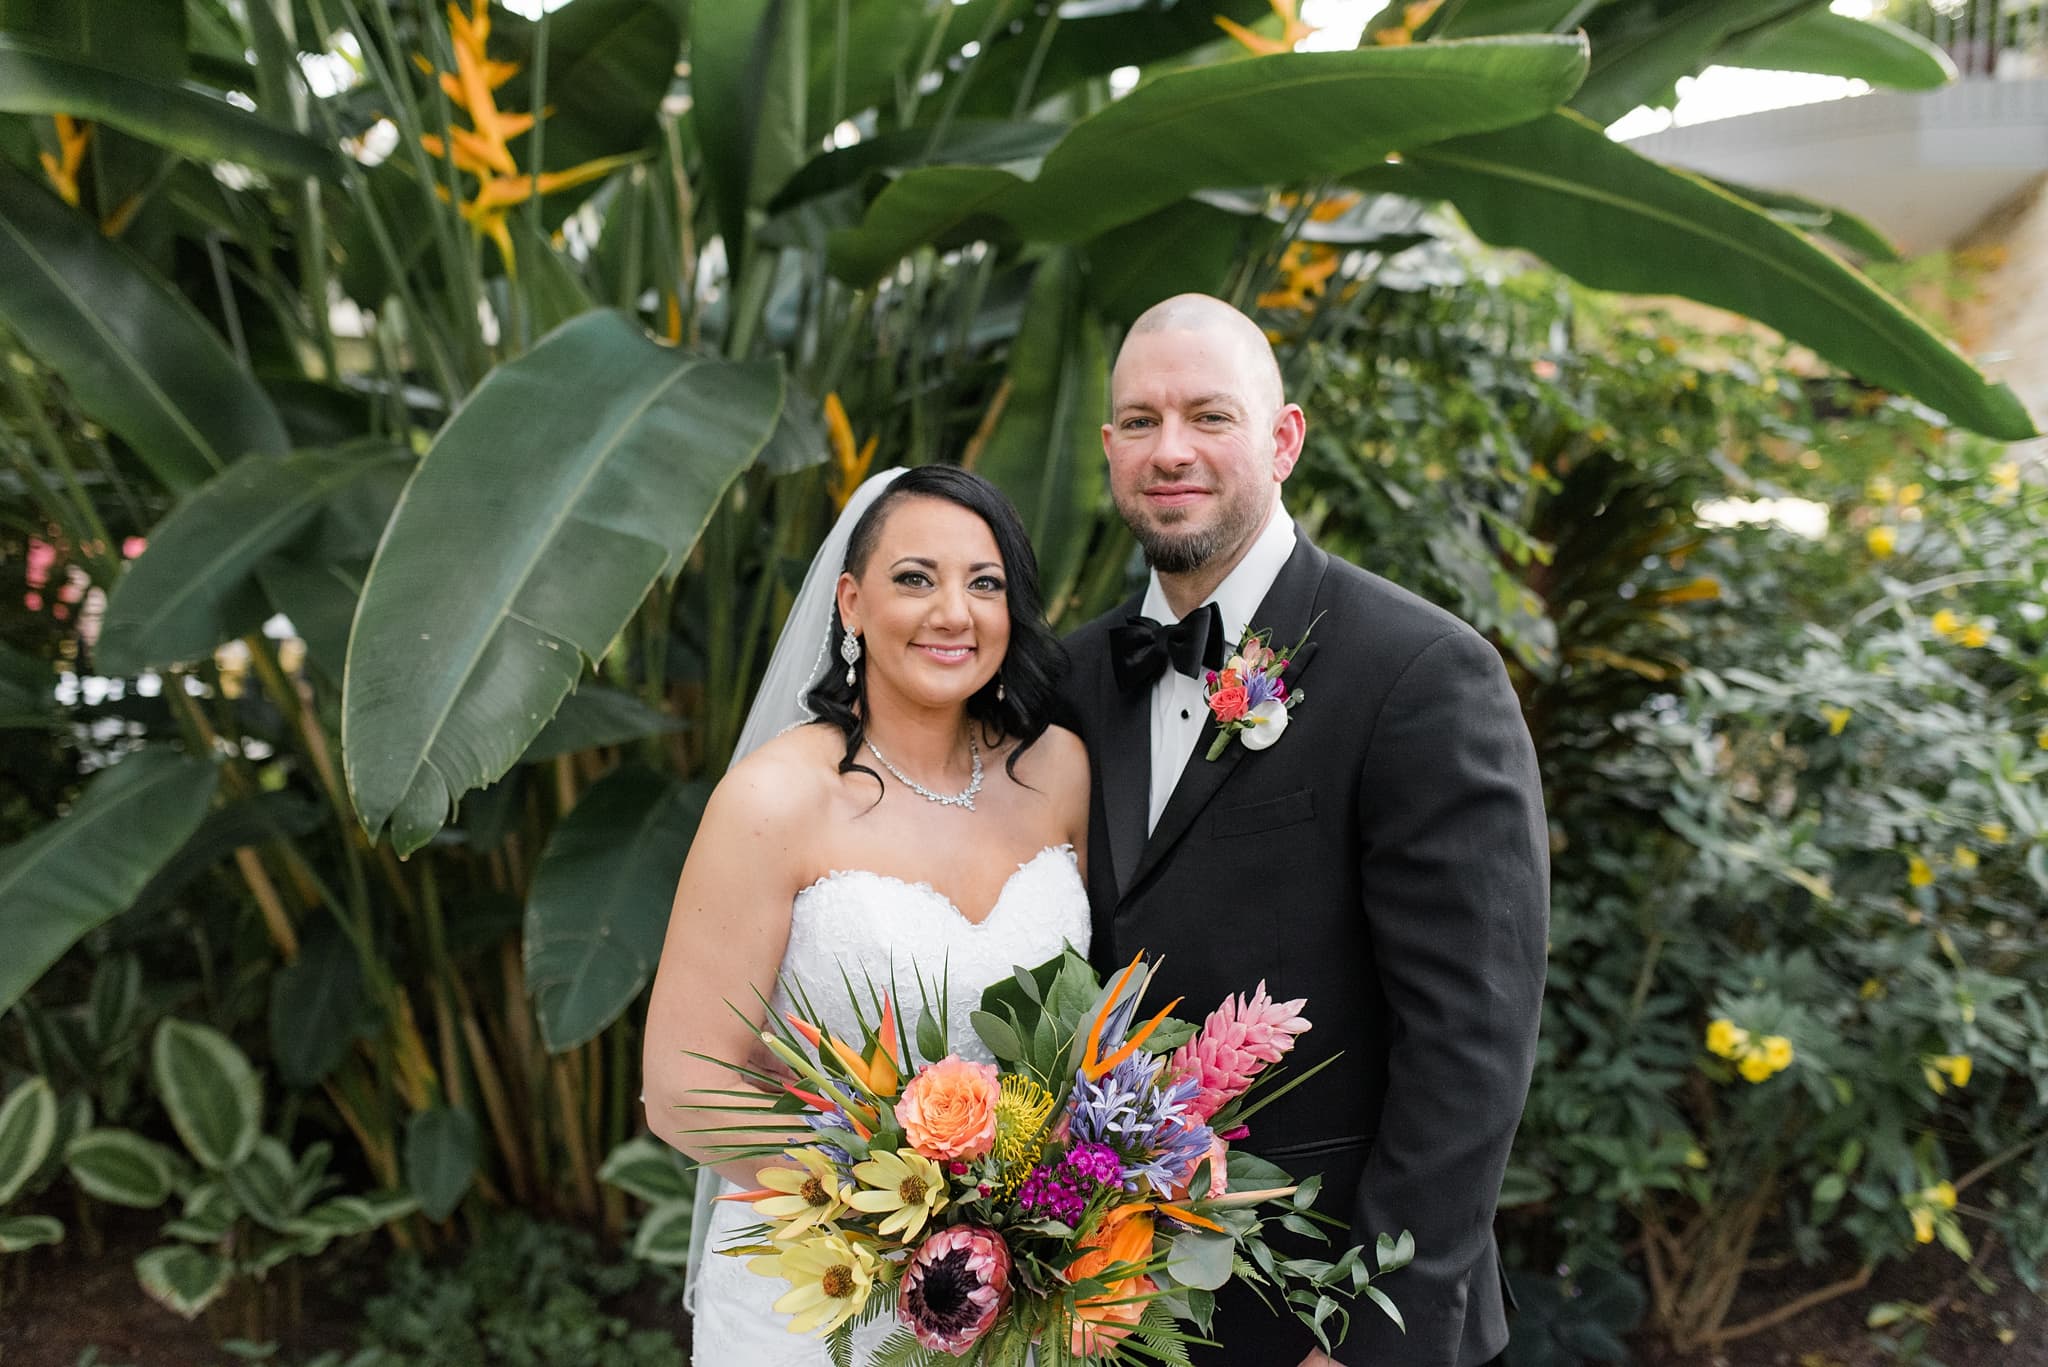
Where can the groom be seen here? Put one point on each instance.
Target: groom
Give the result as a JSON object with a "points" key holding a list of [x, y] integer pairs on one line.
{"points": [[1385, 857]]}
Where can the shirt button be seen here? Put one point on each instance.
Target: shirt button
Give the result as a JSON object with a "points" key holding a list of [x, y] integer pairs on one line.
{"points": [[1183, 714]]}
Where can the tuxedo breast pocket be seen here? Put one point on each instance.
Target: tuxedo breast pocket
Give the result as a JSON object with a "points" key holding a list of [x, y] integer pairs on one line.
{"points": [[1255, 818]]}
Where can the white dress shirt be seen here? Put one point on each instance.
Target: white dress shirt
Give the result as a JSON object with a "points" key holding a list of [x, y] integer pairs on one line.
{"points": [[1179, 703]]}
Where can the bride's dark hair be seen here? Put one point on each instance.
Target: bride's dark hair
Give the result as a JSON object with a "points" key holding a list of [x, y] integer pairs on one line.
{"points": [[1030, 670]]}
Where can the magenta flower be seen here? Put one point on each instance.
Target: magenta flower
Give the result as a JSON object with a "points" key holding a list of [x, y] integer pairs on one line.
{"points": [[954, 1287], [1240, 1038]]}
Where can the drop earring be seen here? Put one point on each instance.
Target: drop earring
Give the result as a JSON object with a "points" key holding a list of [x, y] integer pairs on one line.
{"points": [[1000, 694], [849, 651]]}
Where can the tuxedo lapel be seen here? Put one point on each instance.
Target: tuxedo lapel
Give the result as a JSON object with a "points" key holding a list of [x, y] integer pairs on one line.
{"points": [[1288, 608], [1126, 742]]}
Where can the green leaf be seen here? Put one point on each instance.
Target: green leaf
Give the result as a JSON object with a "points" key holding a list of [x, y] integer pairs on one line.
{"points": [[440, 1158], [1640, 50], [184, 118], [317, 1007], [183, 1279], [28, 1129], [1831, 44], [1615, 220], [600, 900], [263, 1184], [997, 1034], [572, 480], [195, 586], [748, 87], [211, 1092], [649, 1169], [27, 690], [1201, 1259], [1046, 449], [1231, 124], [134, 35], [19, 1233], [931, 1041], [1480, 18], [664, 1234], [1186, 247], [1820, 220], [88, 865], [133, 352], [122, 1167], [346, 1216], [1379, 1298], [595, 715]]}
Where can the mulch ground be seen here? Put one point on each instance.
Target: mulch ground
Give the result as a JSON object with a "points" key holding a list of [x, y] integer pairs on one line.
{"points": [[76, 1298]]}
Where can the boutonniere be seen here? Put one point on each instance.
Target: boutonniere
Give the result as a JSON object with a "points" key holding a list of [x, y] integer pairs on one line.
{"points": [[1248, 697]]}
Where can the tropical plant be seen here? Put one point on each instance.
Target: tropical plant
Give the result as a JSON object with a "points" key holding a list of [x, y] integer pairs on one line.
{"points": [[28, 1135], [419, 418], [248, 1206]]}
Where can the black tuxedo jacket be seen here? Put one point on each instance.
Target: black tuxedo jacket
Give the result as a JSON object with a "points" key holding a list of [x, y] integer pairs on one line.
{"points": [[1388, 859]]}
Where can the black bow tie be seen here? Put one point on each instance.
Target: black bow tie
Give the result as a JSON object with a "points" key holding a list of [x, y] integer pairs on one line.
{"points": [[1141, 649]]}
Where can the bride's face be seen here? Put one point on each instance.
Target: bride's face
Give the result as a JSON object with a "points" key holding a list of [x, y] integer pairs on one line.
{"points": [[930, 605]]}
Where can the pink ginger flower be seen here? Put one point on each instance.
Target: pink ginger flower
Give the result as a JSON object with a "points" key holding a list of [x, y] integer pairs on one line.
{"points": [[1240, 1038]]}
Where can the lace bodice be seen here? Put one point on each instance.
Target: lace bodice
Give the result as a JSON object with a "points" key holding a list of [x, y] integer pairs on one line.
{"points": [[863, 923]]}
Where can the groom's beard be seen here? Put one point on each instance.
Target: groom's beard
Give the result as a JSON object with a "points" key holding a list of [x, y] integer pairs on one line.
{"points": [[1170, 550]]}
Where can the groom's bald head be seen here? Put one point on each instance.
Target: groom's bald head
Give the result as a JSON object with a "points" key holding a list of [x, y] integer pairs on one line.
{"points": [[1199, 439], [1207, 316]]}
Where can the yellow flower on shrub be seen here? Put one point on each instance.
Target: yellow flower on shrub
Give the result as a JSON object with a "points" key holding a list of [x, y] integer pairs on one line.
{"points": [[1696, 1157], [1966, 859], [2005, 478], [1994, 831], [1726, 1038], [1777, 1052], [1974, 636], [1871, 990], [1955, 1067], [1945, 623], [1918, 872], [1882, 540], [1926, 1206], [1910, 495], [1837, 718], [1880, 489], [2041, 738]]}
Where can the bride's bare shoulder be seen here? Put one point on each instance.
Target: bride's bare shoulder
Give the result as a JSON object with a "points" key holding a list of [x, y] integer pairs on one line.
{"points": [[786, 782]]}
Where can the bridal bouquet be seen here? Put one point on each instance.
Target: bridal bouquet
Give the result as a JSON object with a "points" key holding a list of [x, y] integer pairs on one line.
{"points": [[1078, 1198]]}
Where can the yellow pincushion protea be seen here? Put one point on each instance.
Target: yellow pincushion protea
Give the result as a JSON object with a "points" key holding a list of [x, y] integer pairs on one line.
{"points": [[1022, 1111]]}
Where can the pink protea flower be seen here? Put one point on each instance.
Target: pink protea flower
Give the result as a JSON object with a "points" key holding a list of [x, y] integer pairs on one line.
{"points": [[1240, 1038], [954, 1287]]}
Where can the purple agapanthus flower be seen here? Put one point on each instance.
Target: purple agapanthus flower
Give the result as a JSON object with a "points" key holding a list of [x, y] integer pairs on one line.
{"points": [[1261, 687], [1112, 1109]]}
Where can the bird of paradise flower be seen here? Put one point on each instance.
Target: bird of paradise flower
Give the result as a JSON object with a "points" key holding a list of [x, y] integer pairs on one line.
{"points": [[483, 150]]}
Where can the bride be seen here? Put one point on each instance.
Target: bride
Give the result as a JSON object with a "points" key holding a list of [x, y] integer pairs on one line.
{"points": [[927, 820]]}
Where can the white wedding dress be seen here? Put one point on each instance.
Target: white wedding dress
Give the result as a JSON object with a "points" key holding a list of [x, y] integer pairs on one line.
{"points": [[870, 923]]}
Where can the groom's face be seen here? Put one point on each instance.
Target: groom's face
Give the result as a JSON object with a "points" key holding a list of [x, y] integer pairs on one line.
{"points": [[1194, 465]]}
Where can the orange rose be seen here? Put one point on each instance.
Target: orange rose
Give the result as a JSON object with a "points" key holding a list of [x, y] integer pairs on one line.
{"points": [[949, 1109], [1229, 704]]}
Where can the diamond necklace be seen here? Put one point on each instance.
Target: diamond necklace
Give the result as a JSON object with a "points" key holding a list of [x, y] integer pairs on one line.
{"points": [[964, 798]]}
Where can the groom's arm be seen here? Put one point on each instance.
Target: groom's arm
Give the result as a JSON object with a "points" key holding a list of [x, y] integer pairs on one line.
{"points": [[1456, 896]]}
